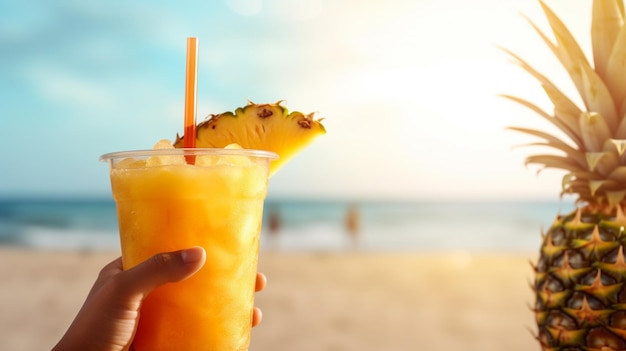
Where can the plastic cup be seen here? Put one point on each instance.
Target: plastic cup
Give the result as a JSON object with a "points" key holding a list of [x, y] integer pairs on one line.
{"points": [[164, 204]]}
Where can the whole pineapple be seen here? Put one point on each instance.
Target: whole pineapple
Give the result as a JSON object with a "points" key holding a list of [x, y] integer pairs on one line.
{"points": [[580, 282]]}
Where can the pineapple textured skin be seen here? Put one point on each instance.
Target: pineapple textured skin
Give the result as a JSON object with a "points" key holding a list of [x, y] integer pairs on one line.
{"points": [[580, 281]]}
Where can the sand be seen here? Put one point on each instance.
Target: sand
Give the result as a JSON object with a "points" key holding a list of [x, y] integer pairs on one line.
{"points": [[314, 301]]}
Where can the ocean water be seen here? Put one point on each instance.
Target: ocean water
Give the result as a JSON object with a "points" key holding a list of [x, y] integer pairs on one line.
{"points": [[306, 225]]}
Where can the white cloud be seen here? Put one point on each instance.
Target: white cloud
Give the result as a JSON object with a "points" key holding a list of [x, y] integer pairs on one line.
{"points": [[62, 86], [245, 7], [295, 10]]}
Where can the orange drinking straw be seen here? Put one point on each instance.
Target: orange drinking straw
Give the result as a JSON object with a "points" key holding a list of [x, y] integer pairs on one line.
{"points": [[191, 84]]}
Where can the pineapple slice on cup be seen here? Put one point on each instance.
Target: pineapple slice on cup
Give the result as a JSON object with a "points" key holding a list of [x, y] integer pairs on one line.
{"points": [[580, 276], [267, 127]]}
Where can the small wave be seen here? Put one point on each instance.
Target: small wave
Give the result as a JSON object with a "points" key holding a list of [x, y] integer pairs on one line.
{"points": [[68, 239], [315, 237]]}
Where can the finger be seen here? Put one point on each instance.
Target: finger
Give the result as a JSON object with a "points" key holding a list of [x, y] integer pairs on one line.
{"points": [[163, 268], [112, 268], [257, 316], [261, 282]]}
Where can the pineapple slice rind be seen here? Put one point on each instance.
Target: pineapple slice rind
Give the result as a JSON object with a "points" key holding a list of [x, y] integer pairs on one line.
{"points": [[268, 127]]}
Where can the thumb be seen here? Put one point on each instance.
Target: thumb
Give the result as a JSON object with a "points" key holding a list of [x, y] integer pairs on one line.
{"points": [[163, 268]]}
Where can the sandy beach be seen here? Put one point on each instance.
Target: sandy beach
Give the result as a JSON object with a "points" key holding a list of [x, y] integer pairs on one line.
{"points": [[314, 301]]}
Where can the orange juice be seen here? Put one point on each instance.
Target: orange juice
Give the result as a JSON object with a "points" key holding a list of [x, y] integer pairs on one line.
{"points": [[165, 204]]}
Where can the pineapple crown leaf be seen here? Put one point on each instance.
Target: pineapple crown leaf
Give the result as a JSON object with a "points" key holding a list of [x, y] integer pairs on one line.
{"points": [[593, 143], [593, 158], [568, 150], [554, 120], [589, 84], [614, 198], [553, 142], [620, 145], [565, 109], [561, 33], [597, 96], [567, 179], [611, 61], [553, 161], [594, 130], [615, 66], [556, 96], [618, 174], [607, 20], [566, 48], [594, 185]]}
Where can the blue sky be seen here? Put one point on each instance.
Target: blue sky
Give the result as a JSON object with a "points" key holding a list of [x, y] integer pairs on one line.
{"points": [[408, 89]]}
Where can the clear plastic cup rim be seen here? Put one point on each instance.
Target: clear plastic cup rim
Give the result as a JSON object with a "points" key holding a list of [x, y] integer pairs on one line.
{"points": [[188, 152]]}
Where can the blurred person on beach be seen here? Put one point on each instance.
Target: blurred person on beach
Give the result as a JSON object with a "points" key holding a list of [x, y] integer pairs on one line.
{"points": [[108, 318], [274, 226], [353, 225]]}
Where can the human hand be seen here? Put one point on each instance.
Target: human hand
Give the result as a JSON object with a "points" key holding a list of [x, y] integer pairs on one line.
{"points": [[108, 318]]}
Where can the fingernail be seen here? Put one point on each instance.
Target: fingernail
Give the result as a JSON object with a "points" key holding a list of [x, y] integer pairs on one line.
{"points": [[192, 255]]}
